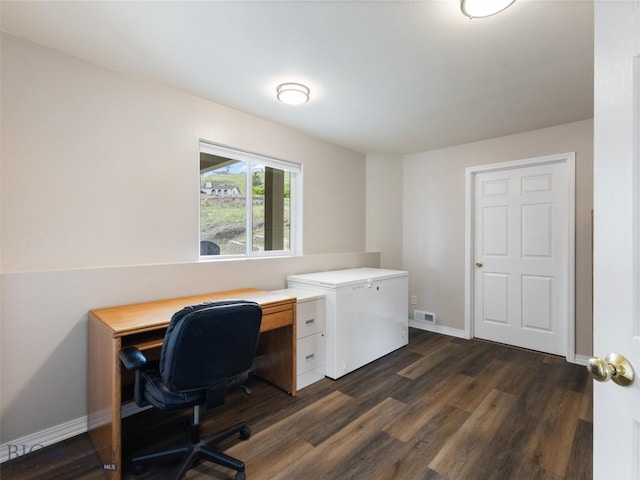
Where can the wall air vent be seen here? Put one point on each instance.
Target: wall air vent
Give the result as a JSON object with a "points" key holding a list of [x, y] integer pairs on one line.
{"points": [[422, 316]]}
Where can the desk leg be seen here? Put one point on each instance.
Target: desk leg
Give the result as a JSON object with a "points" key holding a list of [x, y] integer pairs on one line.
{"points": [[104, 397], [277, 358]]}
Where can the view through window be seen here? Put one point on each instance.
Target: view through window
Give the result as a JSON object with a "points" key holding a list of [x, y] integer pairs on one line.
{"points": [[247, 203]]}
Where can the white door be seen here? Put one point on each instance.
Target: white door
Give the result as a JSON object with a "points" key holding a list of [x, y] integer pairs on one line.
{"points": [[616, 233], [523, 242]]}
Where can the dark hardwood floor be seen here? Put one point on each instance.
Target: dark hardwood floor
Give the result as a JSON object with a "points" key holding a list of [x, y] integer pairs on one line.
{"points": [[441, 408]]}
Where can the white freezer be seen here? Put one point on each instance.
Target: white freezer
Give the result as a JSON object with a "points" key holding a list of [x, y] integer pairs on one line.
{"points": [[366, 314]]}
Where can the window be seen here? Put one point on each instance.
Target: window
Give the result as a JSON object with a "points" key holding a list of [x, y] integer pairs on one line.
{"points": [[247, 203]]}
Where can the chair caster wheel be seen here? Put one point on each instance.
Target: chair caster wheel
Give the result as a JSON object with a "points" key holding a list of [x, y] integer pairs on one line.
{"points": [[244, 434], [138, 469], [240, 476]]}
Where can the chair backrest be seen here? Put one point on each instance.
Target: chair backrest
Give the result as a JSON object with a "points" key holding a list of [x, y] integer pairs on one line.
{"points": [[207, 344]]}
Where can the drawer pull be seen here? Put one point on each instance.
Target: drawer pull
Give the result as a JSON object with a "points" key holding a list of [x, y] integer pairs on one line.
{"points": [[310, 356], [310, 321]]}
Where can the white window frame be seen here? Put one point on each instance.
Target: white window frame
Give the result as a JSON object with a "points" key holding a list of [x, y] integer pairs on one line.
{"points": [[295, 192]]}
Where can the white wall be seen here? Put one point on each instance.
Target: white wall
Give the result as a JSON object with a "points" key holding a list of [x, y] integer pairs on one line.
{"points": [[434, 222], [100, 192], [101, 169], [384, 208]]}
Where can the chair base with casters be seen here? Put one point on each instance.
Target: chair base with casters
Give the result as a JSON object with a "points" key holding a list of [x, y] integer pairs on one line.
{"points": [[197, 449]]}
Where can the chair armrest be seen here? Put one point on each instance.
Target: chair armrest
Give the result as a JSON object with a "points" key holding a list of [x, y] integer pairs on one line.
{"points": [[132, 358]]}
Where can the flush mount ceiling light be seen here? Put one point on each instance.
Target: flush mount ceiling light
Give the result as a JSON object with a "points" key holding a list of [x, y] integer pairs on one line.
{"points": [[293, 93], [483, 8]]}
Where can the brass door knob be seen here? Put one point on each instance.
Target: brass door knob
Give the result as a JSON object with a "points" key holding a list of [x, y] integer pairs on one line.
{"points": [[478, 264], [614, 367]]}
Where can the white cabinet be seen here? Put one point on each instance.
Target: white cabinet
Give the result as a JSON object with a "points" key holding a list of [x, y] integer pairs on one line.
{"points": [[366, 314], [310, 314]]}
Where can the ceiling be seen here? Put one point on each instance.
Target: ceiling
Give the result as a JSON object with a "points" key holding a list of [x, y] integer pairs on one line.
{"points": [[385, 77]]}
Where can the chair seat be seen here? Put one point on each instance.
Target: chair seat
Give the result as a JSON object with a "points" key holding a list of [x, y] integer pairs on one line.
{"points": [[157, 393]]}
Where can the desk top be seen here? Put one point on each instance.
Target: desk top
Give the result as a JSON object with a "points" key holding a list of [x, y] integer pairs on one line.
{"points": [[139, 317]]}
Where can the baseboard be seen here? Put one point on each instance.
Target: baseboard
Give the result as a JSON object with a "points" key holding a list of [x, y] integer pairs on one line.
{"points": [[36, 441], [430, 327], [454, 332], [45, 438]]}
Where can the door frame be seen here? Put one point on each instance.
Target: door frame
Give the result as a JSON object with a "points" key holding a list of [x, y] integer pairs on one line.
{"points": [[568, 159]]}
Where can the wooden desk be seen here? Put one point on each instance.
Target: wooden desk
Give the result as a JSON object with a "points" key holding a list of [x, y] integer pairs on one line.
{"points": [[144, 325]]}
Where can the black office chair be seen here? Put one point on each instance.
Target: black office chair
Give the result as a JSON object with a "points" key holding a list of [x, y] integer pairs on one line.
{"points": [[207, 348]]}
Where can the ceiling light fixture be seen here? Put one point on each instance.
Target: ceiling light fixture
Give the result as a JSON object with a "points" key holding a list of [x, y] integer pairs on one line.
{"points": [[293, 93], [483, 8]]}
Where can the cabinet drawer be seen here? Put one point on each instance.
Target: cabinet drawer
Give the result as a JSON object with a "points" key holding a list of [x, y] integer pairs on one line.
{"points": [[310, 353], [310, 317]]}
